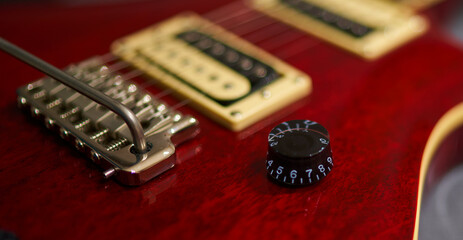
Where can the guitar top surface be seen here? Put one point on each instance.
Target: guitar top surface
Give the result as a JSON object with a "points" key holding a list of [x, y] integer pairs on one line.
{"points": [[379, 115]]}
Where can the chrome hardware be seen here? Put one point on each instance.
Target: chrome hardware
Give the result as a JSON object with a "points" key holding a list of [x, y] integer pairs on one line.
{"points": [[81, 87], [102, 134], [110, 172], [117, 144]]}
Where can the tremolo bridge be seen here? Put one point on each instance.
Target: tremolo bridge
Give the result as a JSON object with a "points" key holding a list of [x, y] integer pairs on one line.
{"points": [[99, 132]]}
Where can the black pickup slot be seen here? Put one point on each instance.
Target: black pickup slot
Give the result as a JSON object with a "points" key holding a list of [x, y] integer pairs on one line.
{"points": [[259, 74], [343, 24]]}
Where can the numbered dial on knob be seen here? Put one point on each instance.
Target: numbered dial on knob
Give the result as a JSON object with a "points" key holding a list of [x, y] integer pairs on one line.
{"points": [[299, 153]]}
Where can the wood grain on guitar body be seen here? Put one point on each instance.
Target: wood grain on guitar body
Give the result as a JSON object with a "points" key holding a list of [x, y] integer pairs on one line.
{"points": [[379, 114]]}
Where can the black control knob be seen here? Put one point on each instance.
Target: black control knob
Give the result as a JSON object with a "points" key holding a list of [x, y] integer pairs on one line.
{"points": [[299, 153]]}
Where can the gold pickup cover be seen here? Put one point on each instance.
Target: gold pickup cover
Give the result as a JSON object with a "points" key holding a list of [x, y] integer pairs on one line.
{"points": [[230, 80], [369, 28]]}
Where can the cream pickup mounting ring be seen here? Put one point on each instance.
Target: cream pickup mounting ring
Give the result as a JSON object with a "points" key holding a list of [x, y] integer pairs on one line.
{"points": [[368, 28], [230, 80]]}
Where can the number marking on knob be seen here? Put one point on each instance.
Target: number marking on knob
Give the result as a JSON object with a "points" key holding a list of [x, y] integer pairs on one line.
{"points": [[293, 150]]}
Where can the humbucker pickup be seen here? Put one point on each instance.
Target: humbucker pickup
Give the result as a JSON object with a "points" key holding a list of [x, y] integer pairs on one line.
{"points": [[99, 132], [369, 28], [227, 78]]}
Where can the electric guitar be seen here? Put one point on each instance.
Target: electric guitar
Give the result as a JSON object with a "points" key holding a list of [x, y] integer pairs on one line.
{"points": [[379, 115]]}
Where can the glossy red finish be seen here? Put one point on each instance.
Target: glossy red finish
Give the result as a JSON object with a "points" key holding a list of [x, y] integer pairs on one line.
{"points": [[379, 115]]}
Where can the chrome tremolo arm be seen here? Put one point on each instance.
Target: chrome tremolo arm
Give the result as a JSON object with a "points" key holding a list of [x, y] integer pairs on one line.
{"points": [[124, 112]]}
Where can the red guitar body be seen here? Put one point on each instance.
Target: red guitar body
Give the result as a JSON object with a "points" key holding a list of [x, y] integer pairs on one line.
{"points": [[379, 115]]}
